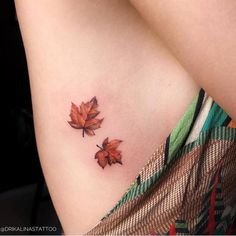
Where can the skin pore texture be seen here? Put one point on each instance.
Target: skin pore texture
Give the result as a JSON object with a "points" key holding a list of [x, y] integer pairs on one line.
{"points": [[79, 49]]}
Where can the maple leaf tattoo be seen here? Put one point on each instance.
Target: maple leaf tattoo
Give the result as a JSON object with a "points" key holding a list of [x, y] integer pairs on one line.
{"points": [[108, 153], [83, 117]]}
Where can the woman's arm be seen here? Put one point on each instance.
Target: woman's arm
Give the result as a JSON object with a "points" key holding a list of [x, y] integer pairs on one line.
{"points": [[202, 35]]}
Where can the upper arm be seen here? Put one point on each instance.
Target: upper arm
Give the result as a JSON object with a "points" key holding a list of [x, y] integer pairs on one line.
{"points": [[202, 35]]}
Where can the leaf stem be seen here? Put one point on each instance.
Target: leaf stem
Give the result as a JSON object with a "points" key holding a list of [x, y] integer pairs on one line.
{"points": [[83, 133], [99, 147]]}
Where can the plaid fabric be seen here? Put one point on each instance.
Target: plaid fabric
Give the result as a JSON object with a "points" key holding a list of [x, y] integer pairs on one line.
{"points": [[188, 186]]}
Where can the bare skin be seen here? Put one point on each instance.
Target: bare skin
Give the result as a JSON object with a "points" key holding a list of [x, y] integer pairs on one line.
{"points": [[202, 35], [78, 49]]}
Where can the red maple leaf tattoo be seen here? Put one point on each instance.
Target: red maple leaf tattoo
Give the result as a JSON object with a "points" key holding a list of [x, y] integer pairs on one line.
{"points": [[108, 153], [83, 117]]}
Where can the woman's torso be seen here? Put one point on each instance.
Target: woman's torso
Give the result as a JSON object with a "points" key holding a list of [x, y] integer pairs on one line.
{"points": [[142, 94], [104, 50]]}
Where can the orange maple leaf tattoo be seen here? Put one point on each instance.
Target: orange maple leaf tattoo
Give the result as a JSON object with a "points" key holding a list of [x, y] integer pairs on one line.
{"points": [[83, 117], [108, 153]]}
